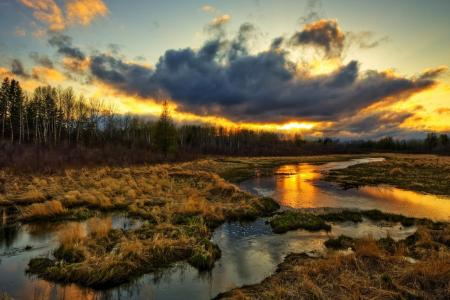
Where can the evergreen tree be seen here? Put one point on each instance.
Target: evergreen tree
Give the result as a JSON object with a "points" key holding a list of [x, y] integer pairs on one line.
{"points": [[165, 132]]}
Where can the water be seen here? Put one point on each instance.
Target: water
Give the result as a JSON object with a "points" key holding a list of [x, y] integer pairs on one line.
{"points": [[299, 186], [250, 252]]}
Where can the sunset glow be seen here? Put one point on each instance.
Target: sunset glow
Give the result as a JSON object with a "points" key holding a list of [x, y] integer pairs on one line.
{"points": [[325, 73]]}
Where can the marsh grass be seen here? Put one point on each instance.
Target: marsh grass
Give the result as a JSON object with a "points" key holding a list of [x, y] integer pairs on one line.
{"points": [[180, 207], [43, 211], [372, 271]]}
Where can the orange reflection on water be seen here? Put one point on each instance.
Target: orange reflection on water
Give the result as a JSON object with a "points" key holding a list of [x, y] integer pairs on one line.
{"points": [[297, 182], [43, 290], [410, 202]]}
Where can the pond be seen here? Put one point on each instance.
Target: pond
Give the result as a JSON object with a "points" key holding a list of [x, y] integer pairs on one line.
{"points": [[250, 251]]}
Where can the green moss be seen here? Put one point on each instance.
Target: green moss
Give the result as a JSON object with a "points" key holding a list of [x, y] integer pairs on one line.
{"points": [[291, 220], [346, 215], [376, 215]]}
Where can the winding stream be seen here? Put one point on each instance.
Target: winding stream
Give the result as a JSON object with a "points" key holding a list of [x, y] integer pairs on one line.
{"points": [[250, 251]]}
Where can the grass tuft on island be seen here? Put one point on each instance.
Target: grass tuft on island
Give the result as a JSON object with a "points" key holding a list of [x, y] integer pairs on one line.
{"points": [[292, 220], [415, 268]]}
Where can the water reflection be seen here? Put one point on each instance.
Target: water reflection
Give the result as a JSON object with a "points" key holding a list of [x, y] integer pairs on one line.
{"points": [[299, 186]]}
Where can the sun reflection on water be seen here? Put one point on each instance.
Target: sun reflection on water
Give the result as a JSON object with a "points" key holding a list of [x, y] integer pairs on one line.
{"points": [[299, 186]]}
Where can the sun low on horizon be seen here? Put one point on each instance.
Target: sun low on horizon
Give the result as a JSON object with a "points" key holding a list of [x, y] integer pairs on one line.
{"points": [[346, 69]]}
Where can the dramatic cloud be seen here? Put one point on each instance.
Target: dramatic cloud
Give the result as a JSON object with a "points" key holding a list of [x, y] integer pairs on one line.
{"points": [[378, 122], [325, 34], [63, 43], [84, 11], [81, 12], [260, 88]]}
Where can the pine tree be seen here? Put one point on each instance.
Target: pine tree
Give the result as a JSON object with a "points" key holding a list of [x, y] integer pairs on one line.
{"points": [[165, 132]]}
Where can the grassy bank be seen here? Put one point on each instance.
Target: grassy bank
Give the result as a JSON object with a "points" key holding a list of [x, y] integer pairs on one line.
{"points": [[423, 173], [415, 268], [313, 221]]}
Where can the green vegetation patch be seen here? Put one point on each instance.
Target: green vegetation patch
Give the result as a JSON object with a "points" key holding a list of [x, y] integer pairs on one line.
{"points": [[292, 220]]}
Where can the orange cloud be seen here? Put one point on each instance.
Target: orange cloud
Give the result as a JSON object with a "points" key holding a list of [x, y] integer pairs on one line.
{"points": [[81, 12], [5, 73], [47, 74], [84, 11], [46, 11]]}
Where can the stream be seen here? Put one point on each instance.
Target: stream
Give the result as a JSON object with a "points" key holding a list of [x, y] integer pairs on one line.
{"points": [[250, 251]]}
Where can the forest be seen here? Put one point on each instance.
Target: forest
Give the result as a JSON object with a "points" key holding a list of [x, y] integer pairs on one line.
{"points": [[54, 125]]}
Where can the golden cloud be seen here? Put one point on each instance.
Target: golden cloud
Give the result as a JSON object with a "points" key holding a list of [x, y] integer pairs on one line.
{"points": [[46, 11], [84, 11], [81, 12], [47, 74]]}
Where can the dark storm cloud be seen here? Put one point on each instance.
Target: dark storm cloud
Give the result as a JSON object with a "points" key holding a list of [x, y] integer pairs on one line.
{"points": [[262, 87], [374, 125], [378, 122], [223, 78], [325, 34], [18, 69], [42, 60], [64, 46]]}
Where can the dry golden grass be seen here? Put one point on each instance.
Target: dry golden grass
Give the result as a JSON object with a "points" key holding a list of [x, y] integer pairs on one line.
{"points": [[49, 209], [99, 228], [371, 272], [71, 235]]}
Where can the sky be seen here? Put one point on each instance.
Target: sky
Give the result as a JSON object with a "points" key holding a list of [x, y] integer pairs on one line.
{"points": [[347, 69]]}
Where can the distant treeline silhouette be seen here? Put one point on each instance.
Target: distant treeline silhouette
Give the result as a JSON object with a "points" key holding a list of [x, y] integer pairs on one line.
{"points": [[54, 127]]}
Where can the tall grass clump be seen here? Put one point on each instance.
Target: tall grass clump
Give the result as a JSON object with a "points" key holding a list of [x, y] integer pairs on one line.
{"points": [[49, 209]]}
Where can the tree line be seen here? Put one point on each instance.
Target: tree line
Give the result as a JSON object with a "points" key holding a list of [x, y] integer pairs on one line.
{"points": [[54, 117]]}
